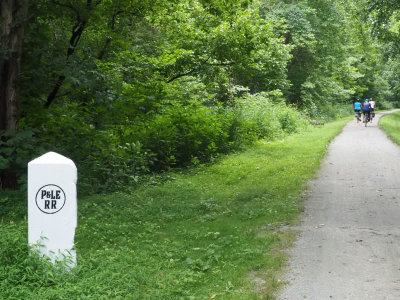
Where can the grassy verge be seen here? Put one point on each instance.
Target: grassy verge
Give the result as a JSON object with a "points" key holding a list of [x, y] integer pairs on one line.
{"points": [[391, 125], [214, 232]]}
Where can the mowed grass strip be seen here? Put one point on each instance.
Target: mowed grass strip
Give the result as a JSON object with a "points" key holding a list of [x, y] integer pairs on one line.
{"points": [[213, 232], [391, 125]]}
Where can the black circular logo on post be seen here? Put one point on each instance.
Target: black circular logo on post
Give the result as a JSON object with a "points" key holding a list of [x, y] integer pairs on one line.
{"points": [[50, 199]]}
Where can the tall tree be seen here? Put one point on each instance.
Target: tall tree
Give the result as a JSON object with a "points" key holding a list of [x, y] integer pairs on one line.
{"points": [[13, 14], [13, 17]]}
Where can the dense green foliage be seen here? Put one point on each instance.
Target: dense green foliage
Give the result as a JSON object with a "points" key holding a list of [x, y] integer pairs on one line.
{"points": [[142, 86], [178, 135], [210, 232]]}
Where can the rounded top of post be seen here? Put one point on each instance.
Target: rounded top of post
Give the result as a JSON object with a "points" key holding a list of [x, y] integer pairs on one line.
{"points": [[52, 158]]}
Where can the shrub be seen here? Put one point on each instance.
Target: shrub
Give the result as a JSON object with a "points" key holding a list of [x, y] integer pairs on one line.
{"points": [[385, 105], [176, 134], [329, 112], [182, 134], [261, 118], [103, 162]]}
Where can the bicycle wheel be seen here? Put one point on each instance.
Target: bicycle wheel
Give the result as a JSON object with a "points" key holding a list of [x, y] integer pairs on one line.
{"points": [[366, 120]]}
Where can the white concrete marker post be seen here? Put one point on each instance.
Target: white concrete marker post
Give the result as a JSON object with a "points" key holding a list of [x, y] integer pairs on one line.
{"points": [[52, 206]]}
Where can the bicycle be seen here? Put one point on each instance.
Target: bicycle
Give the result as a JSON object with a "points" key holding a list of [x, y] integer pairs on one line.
{"points": [[358, 116], [366, 119], [372, 116]]}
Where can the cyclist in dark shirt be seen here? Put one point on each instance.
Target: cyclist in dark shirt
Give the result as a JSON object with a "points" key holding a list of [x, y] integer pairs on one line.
{"points": [[366, 110]]}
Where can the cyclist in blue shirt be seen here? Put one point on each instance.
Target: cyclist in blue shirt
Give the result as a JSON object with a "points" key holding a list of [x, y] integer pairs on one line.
{"points": [[366, 109], [357, 109]]}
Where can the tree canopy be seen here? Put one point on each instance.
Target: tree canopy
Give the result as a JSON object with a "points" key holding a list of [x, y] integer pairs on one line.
{"points": [[128, 87]]}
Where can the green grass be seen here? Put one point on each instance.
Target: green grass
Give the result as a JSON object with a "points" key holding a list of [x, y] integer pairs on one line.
{"points": [[213, 232], [391, 125]]}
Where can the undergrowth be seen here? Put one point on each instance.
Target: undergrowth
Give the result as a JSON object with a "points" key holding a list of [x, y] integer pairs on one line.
{"points": [[174, 135]]}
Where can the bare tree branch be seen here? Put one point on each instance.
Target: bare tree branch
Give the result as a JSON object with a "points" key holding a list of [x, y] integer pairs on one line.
{"points": [[181, 75], [188, 72]]}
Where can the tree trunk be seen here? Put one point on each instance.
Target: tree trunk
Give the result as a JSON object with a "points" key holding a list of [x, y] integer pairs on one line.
{"points": [[13, 17]]}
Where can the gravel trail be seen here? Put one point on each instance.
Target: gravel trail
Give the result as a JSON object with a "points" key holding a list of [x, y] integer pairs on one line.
{"points": [[349, 241]]}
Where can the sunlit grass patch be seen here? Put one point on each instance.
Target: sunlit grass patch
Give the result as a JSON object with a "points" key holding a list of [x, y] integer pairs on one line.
{"points": [[391, 125]]}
